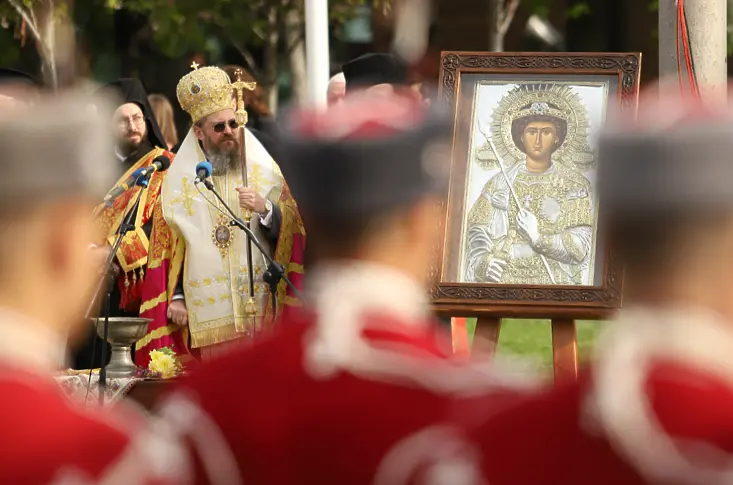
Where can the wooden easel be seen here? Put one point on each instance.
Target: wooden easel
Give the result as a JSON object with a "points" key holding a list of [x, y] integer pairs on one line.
{"points": [[564, 343]]}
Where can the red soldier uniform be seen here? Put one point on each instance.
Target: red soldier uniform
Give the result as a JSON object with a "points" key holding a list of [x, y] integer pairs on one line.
{"points": [[47, 439], [358, 388], [656, 405], [654, 408]]}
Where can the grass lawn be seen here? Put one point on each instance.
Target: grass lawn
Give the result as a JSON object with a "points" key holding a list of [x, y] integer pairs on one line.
{"points": [[531, 340]]}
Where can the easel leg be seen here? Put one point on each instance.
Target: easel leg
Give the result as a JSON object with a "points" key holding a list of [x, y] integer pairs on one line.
{"points": [[459, 335], [564, 349], [486, 336]]}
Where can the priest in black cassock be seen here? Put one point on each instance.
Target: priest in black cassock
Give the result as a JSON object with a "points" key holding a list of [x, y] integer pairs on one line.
{"points": [[139, 142]]}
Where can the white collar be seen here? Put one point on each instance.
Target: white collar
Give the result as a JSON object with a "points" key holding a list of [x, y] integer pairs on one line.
{"points": [[28, 344], [640, 336], [119, 155], [342, 293], [367, 287]]}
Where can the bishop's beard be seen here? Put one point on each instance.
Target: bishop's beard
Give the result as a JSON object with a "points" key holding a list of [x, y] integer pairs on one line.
{"points": [[223, 159]]}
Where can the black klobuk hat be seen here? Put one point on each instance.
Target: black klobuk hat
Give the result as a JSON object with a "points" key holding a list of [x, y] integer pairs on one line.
{"points": [[372, 69]]}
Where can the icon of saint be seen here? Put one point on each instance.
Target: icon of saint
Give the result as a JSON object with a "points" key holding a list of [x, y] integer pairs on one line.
{"points": [[533, 222]]}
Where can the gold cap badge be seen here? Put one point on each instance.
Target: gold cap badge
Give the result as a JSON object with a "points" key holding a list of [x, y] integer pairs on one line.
{"points": [[204, 91]]}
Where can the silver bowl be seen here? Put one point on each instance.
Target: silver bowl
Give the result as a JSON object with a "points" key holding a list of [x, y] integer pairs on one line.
{"points": [[123, 332]]}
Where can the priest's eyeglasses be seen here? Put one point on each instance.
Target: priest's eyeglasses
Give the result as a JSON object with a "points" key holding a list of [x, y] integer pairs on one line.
{"points": [[136, 120], [221, 126]]}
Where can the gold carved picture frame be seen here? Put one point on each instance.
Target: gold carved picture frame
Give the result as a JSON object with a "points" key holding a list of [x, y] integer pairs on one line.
{"points": [[521, 239]]}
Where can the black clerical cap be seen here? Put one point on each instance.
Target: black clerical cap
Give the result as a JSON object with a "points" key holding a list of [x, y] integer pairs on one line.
{"points": [[128, 90], [365, 157], [12, 76], [372, 69], [673, 156]]}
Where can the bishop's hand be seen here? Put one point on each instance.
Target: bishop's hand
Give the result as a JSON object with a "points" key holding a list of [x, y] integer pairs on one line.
{"points": [[178, 313], [528, 226], [250, 200]]}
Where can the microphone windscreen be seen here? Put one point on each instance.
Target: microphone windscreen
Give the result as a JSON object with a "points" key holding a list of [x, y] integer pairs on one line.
{"points": [[205, 165], [164, 161], [137, 172]]}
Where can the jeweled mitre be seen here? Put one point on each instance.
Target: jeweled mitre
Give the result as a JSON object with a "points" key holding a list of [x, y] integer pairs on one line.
{"points": [[204, 91]]}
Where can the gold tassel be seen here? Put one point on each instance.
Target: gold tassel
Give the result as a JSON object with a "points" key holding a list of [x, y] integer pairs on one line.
{"points": [[250, 307], [127, 281], [142, 274], [134, 277]]}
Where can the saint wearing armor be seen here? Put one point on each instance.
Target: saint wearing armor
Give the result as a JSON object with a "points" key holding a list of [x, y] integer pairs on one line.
{"points": [[534, 220]]}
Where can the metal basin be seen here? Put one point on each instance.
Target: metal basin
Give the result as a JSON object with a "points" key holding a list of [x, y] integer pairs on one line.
{"points": [[123, 332]]}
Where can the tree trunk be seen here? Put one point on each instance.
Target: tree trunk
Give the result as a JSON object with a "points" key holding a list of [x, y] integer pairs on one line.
{"points": [[296, 47], [496, 36]]}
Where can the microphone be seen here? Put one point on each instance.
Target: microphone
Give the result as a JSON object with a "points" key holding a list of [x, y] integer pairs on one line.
{"points": [[203, 171], [160, 164]]}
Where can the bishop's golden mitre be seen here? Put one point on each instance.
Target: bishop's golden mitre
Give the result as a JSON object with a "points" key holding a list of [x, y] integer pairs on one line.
{"points": [[204, 91]]}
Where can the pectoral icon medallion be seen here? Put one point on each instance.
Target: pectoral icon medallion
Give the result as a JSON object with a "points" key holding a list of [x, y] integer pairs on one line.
{"points": [[222, 236]]}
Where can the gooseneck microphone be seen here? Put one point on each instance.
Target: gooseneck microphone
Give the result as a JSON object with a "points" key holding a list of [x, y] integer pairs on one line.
{"points": [[275, 271], [141, 175]]}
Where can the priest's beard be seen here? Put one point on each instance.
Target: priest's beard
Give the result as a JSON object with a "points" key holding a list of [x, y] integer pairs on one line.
{"points": [[223, 157], [128, 147]]}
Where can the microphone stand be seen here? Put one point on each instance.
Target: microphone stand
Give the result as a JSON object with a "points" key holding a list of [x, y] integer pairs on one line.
{"points": [[275, 271], [126, 226]]}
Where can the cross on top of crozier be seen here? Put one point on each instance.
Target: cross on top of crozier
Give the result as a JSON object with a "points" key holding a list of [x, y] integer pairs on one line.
{"points": [[239, 86]]}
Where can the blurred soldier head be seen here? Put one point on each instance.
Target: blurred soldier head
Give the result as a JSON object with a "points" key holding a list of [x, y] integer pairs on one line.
{"points": [[379, 74], [20, 86], [666, 200], [368, 174], [52, 180]]}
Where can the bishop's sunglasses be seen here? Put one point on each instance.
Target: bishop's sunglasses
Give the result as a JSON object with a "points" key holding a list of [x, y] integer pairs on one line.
{"points": [[221, 126]]}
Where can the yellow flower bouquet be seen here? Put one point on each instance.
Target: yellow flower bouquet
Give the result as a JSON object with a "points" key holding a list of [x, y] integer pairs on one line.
{"points": [[164, 363]]}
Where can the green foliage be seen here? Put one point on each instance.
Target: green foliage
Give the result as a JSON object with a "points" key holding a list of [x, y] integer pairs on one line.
{"points": [[541, 8], [9, 48], [185, 25], [168, 351], [579, 10]]}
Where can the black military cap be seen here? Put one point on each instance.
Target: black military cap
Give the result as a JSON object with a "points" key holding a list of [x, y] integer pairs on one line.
{"points": [[364, 157], [674, 156], [372, 69], [12, 76]]}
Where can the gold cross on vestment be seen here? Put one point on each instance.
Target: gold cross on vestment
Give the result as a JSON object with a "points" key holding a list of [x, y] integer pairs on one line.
{"points": [[255, 178], [186, 196]]}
